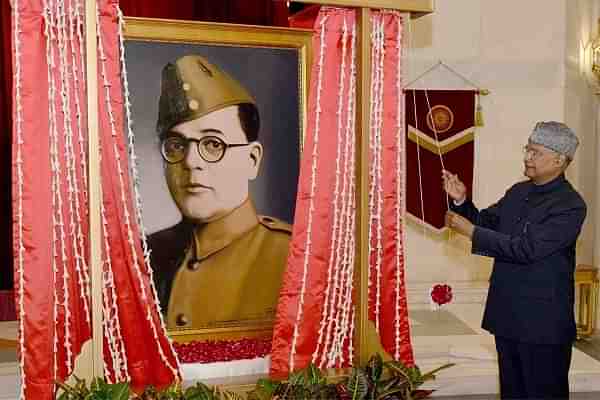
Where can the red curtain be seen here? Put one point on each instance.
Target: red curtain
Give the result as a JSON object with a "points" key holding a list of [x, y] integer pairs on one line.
{"points": [[6, 266], [314, 304], [387, 169], [49, 144], [252, 12], [317, 296], [305, 18], [39, 258], [135, 315]]}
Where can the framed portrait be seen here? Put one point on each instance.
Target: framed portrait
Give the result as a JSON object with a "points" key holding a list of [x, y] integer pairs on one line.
{"points": [[218, 115]]}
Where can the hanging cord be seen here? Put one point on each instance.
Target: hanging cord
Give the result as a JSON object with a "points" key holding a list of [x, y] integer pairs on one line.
{"points": [[440, 63], [437, 141], [419, 170]]}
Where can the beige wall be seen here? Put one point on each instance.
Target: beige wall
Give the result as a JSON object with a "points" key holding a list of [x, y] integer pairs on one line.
{"points": [[527, 54], [581, 113]]}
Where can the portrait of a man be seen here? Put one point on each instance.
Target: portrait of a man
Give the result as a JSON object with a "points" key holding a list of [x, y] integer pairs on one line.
{"points": [[222, 262]]}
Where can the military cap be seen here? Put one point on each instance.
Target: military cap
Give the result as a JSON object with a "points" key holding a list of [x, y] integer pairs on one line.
{"points": [[555, 136], [192, 87]]}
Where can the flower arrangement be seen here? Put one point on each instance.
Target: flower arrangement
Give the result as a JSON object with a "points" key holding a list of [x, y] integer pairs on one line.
{"points": [[222, 350]]}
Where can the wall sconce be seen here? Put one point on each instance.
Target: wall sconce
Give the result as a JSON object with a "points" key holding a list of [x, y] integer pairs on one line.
{"points": [[595, 56], [591, 61]]}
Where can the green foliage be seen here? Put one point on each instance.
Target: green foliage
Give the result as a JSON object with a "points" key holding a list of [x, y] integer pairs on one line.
{"points": [[308, 383], [100, 390], [377, 380], [358, 384], [374, 367]]}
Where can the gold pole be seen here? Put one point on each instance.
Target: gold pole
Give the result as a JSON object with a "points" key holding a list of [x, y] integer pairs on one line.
{"points": [[95, 190], [363, 78]]}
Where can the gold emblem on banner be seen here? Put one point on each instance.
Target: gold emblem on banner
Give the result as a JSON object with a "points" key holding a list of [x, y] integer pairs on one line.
{"points": [[440, 119]]}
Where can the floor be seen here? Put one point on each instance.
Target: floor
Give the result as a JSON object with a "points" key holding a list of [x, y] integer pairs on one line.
{"points": [[573, 396], [590, 346], [8, 355], [453, 334]]}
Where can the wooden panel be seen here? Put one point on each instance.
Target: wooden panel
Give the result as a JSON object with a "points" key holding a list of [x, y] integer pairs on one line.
{"points": [[95, 196], [363, 77], [176, 31]]}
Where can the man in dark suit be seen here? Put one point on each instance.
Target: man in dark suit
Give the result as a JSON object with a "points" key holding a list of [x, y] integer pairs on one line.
{"points": [[531, 233]]}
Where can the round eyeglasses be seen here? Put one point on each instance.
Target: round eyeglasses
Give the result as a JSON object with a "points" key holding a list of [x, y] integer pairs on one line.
{"points": [[530, 153], [211, 148]]}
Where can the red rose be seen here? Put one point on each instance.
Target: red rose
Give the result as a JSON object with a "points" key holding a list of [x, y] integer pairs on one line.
{"points": [[441, 294]]}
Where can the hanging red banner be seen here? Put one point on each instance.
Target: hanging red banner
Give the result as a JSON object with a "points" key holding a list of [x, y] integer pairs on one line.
{"points": [[440, 131]]}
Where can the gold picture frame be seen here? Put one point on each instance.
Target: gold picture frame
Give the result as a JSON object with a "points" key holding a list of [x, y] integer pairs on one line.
{"points": [[153, 42]]}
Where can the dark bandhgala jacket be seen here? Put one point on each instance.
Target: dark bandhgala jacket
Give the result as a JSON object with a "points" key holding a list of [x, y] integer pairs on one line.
{"points": [[220, 273], [531, 233]]}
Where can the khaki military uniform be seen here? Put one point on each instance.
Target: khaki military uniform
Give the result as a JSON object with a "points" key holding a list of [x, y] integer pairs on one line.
{"points": [[222, 272]]}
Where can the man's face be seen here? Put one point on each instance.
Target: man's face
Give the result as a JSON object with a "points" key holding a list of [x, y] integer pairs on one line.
{"points": [[205, 191], [541, 163]]}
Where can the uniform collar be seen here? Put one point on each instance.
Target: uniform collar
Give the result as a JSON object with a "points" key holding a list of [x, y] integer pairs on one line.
{"points": [[216, 235], [549, 186]]}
